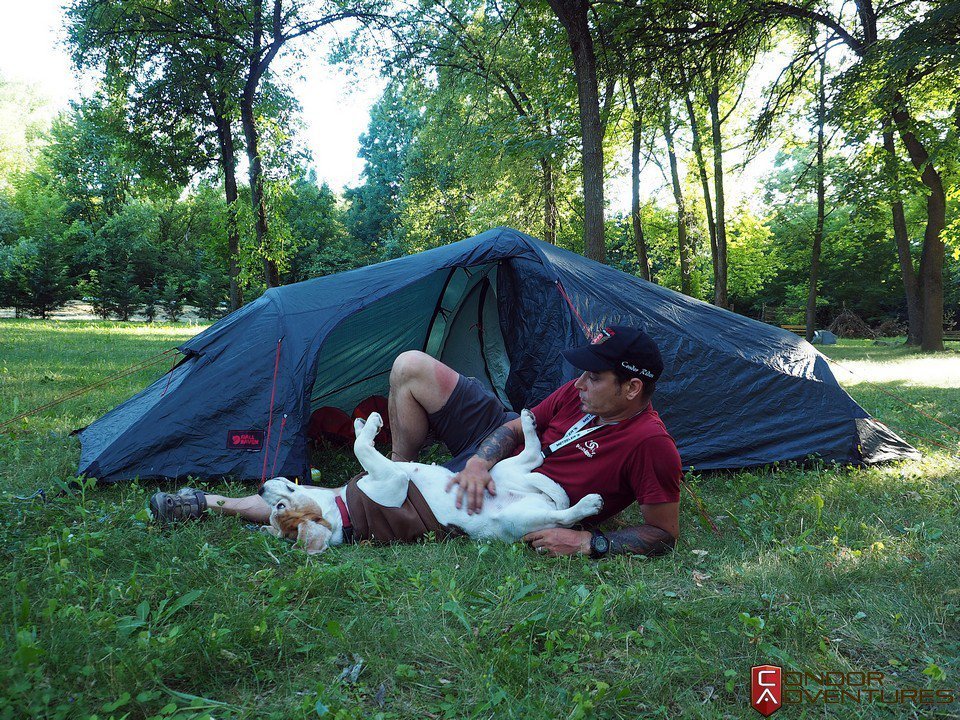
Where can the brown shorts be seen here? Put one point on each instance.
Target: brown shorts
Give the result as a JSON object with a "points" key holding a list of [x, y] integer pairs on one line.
{"points": [[471, 413]]}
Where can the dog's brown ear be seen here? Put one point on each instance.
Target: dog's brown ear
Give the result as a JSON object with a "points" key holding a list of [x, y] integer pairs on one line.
{"points": [[307, 527], [313, 536]]}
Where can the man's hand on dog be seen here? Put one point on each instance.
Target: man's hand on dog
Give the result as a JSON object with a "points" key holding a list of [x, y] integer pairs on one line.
{"points": [[471, 482], [559, 541]]}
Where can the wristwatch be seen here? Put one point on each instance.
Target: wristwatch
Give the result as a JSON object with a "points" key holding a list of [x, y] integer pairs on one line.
{"points": [[599, 545]]}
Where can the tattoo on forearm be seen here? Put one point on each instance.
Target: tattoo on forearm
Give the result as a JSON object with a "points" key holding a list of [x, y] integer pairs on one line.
{"points": [[641, 540], [498, 445]]}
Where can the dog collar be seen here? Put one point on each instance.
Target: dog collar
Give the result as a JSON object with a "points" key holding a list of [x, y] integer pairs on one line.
{"points": [[345, 518]]}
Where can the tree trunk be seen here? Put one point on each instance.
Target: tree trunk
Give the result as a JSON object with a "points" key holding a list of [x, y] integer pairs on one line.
{"points": [[910, 286], [228, 162], [932, 256], [270, 273], [930, 280], [549, 202], [821, 192], [685, 285], [705, 184], [720, 269], [573, 16], [638, 239], [549, 186]]}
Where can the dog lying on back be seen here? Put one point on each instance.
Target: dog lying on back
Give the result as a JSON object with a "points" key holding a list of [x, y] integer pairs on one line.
{"points": [[525, 501]]}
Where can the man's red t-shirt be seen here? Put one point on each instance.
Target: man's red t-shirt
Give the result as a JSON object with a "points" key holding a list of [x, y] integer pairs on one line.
{"points": [[633, 460]]}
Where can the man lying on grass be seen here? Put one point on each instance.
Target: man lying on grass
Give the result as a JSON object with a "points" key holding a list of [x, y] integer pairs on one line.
{"points": [[600, 434]]}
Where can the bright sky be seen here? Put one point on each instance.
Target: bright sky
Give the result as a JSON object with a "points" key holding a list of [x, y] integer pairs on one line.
{"points": [[29, 50], [336, 109]]}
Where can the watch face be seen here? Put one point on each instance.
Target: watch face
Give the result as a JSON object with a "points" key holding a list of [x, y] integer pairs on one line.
{"points": [[600, 544]]}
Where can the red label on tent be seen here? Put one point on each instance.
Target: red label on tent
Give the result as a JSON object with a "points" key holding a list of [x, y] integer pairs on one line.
{"points": [[245, 440]]}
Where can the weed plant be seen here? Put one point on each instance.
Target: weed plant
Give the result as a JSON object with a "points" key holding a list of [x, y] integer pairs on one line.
{"points": [[816, 568]]}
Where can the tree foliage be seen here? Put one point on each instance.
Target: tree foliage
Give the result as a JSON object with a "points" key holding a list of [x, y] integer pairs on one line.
{"points": [[132, 200]]}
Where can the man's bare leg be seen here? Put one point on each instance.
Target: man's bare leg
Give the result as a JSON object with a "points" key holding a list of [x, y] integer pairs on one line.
{"points": [[189, 504], [252, 508], [419, 385]]}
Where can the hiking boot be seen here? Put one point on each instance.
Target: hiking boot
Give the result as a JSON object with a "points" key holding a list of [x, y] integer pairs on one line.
{"points": [[185, 504]]}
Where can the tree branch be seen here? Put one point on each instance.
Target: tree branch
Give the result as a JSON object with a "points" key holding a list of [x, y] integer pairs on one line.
{"points": [[801, 13]]}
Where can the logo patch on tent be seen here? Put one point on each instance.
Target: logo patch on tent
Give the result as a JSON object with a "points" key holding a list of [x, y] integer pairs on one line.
{"points": [[245, 440]]}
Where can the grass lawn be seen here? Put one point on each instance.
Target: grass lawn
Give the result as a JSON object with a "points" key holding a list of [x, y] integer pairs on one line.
{"points": [[818, 569]]}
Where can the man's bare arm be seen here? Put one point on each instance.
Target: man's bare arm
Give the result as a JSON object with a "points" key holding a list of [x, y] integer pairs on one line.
{"points": [[656, 537], [475, 476], [500, 443], [640, 540]]}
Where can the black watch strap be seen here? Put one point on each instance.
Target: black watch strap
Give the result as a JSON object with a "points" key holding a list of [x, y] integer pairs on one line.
{"points": [[599, 544]]}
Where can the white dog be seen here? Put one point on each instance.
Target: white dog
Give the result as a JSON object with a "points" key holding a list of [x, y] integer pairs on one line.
{"points": [[525, 501]]}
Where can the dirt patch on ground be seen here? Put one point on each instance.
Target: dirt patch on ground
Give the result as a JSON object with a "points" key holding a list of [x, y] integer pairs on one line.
{"points": [[77, 310]]}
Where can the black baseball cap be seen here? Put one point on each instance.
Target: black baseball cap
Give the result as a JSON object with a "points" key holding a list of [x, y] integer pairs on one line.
{"points": [[619, 347]]}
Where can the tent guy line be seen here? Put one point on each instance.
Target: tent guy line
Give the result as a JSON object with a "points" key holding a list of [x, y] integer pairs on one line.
{"points": [[120, 374], [586, 328]]}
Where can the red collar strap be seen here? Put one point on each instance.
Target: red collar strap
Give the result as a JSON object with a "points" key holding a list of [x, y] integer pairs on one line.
{"points": [[345, 518]]}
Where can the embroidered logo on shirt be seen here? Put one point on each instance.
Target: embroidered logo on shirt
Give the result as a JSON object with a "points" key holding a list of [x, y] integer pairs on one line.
{"points": [[589, 448]]}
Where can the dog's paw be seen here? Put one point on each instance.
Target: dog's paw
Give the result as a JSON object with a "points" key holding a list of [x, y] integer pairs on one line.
{"points": [[591, 504], [367, 430], [527, 420]]}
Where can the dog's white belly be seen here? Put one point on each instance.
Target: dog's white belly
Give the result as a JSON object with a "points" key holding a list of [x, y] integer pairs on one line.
{"points": [[525, 501], [507, 516]]}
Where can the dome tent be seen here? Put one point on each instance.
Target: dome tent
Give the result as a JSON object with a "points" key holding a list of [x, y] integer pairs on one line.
{"points": [[499, 306]]}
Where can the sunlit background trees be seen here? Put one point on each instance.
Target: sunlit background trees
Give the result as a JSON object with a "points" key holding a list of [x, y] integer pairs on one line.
{"points": [[797, 156]]}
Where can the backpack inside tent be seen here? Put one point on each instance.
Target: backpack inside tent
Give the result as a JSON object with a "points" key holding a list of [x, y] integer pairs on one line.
{"points": [[500, 307]]}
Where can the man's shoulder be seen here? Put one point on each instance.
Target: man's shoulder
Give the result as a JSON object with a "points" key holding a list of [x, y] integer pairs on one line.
{"points": [[647, 426], [556, 406]]}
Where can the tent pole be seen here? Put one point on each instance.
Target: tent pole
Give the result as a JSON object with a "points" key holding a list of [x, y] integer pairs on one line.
{"points": [[438, 308]]}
